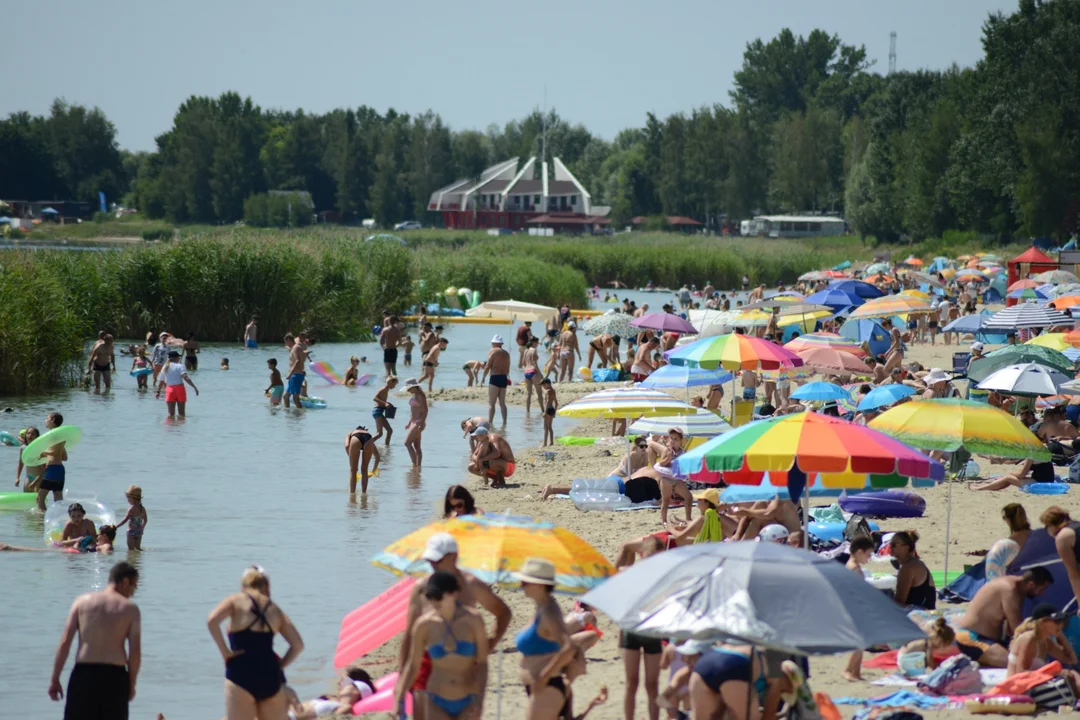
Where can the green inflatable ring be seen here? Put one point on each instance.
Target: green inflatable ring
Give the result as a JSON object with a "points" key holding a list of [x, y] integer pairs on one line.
{"points": [[31, 454]]}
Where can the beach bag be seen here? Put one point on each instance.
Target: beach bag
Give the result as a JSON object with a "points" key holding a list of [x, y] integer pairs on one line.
{"points": [[1054, 693], [956, 676], [605, 375], [1074, 470], [389, 412], [856, 526]]}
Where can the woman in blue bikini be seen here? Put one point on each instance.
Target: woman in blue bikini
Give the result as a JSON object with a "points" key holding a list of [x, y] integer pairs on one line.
{"points": [[254, 676], [545, 645], [455, 638]]}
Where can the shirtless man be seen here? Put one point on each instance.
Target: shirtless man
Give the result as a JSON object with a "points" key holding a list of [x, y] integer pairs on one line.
{"points": [[389, 339], [102, 683], [1055, 428], [250, 333], [1063, 529], [994, 614], [643, 365], [524, 334], [442, 552], [498, 362], [554, 324], [378, 413], [568, 346], [102, 362], [750, 381], [492, 457], [756, 295], [775, 512], [298, 355], [533, 376]]}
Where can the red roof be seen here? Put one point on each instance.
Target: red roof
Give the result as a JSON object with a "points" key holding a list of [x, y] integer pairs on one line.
{"points": [[568, 219], [1032, 255], [680, 220]]}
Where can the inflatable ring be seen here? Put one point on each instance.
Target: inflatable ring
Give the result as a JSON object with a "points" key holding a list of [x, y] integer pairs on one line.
{"points": [[572, 440], [31, 454], [56, 516], [885, 503], [312, 403], [139, 372], [1050, 488], [17, 500], [7, 438]]}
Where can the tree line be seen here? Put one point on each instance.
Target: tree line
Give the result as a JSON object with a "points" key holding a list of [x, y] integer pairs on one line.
{"points": [[811, 127]]}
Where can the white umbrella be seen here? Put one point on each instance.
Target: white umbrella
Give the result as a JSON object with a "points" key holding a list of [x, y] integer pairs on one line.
{"points": [[511, 310], [1026, 315], [703, 423], [612, 323], [1027, 379], [712, 322]]}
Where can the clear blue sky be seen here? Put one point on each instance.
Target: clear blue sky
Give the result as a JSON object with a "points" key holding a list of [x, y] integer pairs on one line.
{"points": [[605, 62]]}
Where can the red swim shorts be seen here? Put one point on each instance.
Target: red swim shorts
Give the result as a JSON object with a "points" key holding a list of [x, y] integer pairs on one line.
{"points": [[638, 377], [422, 676], [175, 393], [510, 467]]}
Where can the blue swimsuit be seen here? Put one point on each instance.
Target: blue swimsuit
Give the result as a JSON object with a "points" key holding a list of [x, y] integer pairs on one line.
{"points": [[529, 642], [438, 651]]}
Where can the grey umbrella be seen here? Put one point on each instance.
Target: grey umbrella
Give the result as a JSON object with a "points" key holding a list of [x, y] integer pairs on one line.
{"points": [[763, 594]]}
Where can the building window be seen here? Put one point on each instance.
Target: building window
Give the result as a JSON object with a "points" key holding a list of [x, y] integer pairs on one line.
{"points": [[573, 199], [536, 200]]}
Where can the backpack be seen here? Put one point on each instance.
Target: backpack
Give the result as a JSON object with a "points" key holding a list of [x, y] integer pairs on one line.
{"points": [[958, 675], [856, 526], [1053, 693], [1074, 471]]}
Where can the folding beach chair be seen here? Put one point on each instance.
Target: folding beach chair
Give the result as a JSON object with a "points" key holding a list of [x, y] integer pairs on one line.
{"points": [[960, 363], [744, 412]]}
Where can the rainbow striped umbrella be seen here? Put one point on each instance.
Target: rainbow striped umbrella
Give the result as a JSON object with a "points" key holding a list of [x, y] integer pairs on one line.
{"points": [[843, 452], [733, 352], [951, 424], [826, 340], [625, 403], [494, 547], [1056, 341], [890, 305]]}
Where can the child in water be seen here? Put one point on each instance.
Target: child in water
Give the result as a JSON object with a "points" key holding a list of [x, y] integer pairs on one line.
{"points": [[224, 363], [552, 404], [352, 373], [139, 363], [136, 518], [277, 385], [407, 345], [33, 474], [77, 525]]}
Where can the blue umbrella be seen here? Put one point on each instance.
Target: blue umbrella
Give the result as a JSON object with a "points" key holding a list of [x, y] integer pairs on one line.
{"points": [[885, 395], [4, 220], [869, 331], [1029, 294], [835, 299], [821, 391], [856, 287], [682, 376], [50, 211]]}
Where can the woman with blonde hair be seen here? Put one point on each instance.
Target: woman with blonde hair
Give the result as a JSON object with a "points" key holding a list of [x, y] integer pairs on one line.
{"points": [[1004, 551], [254, 676], [1040, 639]]}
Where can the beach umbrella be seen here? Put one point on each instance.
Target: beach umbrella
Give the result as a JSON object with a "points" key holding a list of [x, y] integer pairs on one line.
{"points": [[959, 425], [733, 352], [814, 276], [1025, 283], [879, 278], [889, 306], [625, 403], [736, 592], [966, 324], [842, 266], [610, 323], [857, 287], [1052, 401], [511, 310], [1026, 380], [1057, 277], [926, 279], [493, 547], [797, 314], [971, 274], [831, 360], [811, 443], [790, 294], [777, 300], [664, 322], [868, 331], [983, 367], [1028, 294], [1068, 289], [49, 211], [991, 256], [875, 268], [820, 392], [835, 299], [965, 258], [1064, 302], [703, 423], [913, 261], [826, 340], [1056, 341], [1027, 315], [917, 294], [682, 376], [885, 396]]}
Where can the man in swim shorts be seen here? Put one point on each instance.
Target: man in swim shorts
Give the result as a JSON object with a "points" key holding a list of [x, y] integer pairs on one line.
{"points": [[102, 682], [643, 365], [389, 339], [492, 457], [249, 334], [442, 553], [102, 362], [524, 334], [568, 347], [55, 474], [498, 364], [298, 355], [998, 604]]}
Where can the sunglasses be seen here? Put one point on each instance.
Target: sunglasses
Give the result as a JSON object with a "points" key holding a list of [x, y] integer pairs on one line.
{"points": [[459, 505]]}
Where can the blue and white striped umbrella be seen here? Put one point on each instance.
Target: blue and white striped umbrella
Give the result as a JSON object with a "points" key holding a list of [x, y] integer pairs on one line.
{"points": [[703, 423], [683, 376]]}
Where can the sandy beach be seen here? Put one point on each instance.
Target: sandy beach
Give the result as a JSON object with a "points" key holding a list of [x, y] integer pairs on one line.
{"points": [[976, 524]]}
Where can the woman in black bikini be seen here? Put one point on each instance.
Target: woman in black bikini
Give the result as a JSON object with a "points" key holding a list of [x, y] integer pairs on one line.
{"points": [[360, 447], [914, 583], [191, 350], [254, 676]]}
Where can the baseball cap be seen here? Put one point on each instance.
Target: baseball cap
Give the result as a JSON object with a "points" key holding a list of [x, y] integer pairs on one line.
{"points": [[497, 340], [1046, 610], [693, 647], [711, 495], [977, 346], [479, 431], [439, 546], [773, 533], [174, 354]]}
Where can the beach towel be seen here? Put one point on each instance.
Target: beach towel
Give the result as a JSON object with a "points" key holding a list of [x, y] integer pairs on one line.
{"points": [[1020, 683], [830, 514], [711, 531], [900, 698], [887, 660]]}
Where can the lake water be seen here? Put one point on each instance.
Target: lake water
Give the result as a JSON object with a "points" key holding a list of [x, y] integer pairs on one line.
{"points": [[237, 483]]}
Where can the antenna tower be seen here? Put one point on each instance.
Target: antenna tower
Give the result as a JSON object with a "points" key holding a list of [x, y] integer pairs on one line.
{"points": [[543, 130], [892, 52]]}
